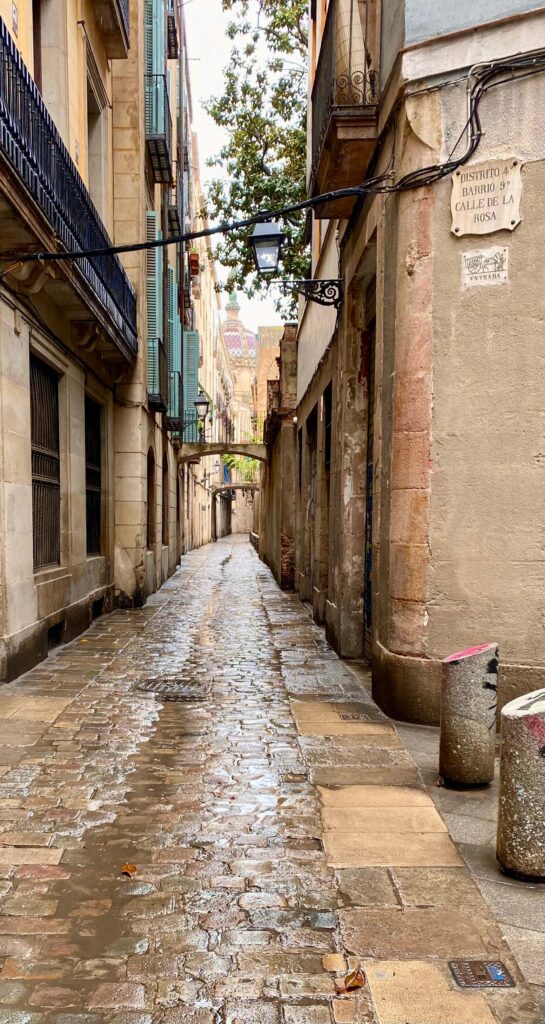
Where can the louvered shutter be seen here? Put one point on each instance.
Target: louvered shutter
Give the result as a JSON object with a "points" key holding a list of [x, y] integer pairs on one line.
{"points": [[191, 378], [175, 327], [171, 317], [154, 259], [155, 65]]}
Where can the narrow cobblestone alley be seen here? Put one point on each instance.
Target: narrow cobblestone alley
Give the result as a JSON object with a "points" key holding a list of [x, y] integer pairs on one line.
{"points": [[280, 832]]}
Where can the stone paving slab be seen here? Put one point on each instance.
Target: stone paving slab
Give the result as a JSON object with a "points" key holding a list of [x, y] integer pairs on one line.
{"points": [[248, 900]]}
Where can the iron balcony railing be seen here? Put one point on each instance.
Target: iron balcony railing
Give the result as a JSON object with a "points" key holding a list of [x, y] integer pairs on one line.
{"points": [[157, 375], [175, 214], [174, 416], [125, 14], [159, 128], [345, 80], [30, 142], [172, 31]]}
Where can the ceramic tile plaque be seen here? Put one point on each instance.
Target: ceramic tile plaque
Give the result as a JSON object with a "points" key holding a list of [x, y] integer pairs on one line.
{"points": [[485, 266], [486, 197]]}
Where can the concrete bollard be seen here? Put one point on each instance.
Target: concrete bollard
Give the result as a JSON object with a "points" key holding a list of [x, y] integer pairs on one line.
{"points": [[468, 716], [520, 845]]}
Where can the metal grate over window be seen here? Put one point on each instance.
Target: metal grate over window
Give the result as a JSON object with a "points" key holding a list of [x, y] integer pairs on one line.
{"points": [[93, 496], [46, 491]]}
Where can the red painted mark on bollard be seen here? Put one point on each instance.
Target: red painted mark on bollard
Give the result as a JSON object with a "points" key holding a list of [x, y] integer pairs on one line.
{"points": [[469, 651], [536, 725]]}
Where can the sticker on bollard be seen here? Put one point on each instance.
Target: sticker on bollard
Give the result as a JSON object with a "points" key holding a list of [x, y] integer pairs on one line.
{"points": [[481, 974]]}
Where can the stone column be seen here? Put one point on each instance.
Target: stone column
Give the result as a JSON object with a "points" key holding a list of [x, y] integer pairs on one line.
{"points": [[468, 716], [521, 825]]}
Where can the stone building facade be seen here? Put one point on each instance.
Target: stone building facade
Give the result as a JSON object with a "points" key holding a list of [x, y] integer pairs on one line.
{"points": [[95, 355], [419, 435]]}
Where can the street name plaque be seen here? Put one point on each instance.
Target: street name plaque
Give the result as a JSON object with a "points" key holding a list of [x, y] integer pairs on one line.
{"points": [[481, 974], [486, 197]]}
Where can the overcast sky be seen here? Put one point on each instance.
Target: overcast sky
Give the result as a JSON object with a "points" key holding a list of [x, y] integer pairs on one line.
{"points": [[209, 51]]}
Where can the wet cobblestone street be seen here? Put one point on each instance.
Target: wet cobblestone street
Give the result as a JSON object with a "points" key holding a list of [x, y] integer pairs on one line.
{"points": [[280, 831]]}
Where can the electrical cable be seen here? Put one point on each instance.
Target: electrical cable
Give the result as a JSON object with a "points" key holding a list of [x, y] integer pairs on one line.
{"points": [[532, 63]]}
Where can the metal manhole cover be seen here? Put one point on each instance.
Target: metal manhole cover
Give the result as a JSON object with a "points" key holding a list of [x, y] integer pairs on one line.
{"points": [[174, 689], [354, 718], [481, 974]]}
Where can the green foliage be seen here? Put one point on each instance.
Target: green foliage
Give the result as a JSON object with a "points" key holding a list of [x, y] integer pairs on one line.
{"points": [[247, 468], [263, 110]]}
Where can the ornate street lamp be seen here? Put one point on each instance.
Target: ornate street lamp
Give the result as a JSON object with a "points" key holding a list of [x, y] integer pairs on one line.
{"points": [[202, 406], [266, 244]]}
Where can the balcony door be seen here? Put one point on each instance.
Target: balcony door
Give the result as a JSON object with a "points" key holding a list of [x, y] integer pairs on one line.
{"points": [[97, 139], [49, 36]]}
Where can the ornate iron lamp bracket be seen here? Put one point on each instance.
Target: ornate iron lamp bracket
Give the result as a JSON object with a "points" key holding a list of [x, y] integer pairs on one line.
{"points": [[325, 293]]}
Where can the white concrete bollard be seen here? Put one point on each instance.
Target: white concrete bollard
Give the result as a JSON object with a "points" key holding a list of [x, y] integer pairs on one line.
{"points": [[468, 715], [520, 845]]}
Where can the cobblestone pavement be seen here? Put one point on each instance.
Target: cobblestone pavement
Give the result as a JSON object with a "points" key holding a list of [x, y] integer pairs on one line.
{"points": [[280, 831]]}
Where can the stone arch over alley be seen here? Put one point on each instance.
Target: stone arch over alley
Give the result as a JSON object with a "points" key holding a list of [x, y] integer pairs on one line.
{"points": [[222, 489]]}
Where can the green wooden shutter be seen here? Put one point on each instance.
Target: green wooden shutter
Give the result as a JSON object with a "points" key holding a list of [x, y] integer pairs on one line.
{"points": [[154, 264], [191, 376], [174, 324], [155, 65]]}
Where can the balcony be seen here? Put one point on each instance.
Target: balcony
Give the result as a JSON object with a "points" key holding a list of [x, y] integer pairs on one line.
{"points": [[114, 19], [159, 128], [45, 205], [157, 375], [344, 104], [175, 216], [172, 32], [174, 420]]}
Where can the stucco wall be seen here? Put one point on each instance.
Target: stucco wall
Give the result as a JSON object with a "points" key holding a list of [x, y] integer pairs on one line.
{"points": [[427, 18], [486, 523], [319, 322]]}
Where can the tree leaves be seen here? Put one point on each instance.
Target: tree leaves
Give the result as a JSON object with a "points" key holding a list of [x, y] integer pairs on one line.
{"points": [[263, 111]]}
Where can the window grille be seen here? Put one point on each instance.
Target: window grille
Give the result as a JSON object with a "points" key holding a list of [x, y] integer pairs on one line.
{"points": [[93, 482], [46, 490]]}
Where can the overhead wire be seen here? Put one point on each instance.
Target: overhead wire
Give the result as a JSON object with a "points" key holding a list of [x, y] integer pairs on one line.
{"points": [[531, 63]]}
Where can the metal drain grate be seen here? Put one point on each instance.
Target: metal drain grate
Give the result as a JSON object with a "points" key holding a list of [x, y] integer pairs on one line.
{"points": [[481, 974], [354, 718], [168, 688]]}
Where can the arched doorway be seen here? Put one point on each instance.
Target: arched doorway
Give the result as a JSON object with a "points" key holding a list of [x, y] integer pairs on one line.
{"points": [[165, 501], [151, 509]]}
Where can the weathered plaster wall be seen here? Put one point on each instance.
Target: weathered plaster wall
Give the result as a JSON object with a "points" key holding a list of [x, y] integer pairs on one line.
{"points": [[427, 18], [486, 528], [319, 322]]}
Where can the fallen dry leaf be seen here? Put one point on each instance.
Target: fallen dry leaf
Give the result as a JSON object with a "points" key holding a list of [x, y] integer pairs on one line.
{"points": [[129, 870], [356, 979]]}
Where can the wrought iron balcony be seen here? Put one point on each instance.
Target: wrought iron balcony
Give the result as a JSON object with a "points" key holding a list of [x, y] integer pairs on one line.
{"points": [[344, 103], [174, 417], [48, 191], [157, 375], [114, 18], [172, 31], [175, 215], [159, 128]]}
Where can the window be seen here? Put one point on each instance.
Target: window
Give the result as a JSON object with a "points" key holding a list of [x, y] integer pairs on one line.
{"points": [[37, 41], [93, 458], [46, 489], [97, 141]]}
